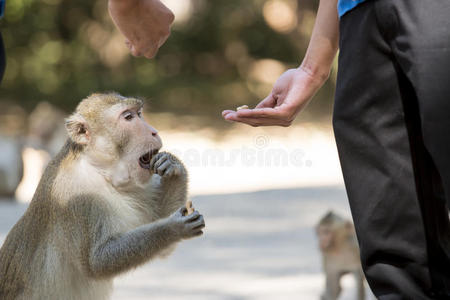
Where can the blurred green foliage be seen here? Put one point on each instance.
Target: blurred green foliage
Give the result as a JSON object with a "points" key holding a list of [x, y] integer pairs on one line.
{"points": [[62, 50]]}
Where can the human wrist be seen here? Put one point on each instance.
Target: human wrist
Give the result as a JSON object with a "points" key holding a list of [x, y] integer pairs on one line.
{"points": [[319, 72]]}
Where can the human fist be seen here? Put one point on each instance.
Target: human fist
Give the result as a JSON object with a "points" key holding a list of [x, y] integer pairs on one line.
{"points": [[144, 23]]}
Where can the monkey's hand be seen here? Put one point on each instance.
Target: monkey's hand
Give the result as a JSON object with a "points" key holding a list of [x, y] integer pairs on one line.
{"points": [[187, 226], [166, 165]]}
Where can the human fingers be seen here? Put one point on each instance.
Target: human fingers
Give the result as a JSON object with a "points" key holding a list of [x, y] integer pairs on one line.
{"points": [[134, 51], [163, 38], [231, 115], [256, 122], [283, 113], [128, 43], [269, 101], [226, 112], [151, 52]]}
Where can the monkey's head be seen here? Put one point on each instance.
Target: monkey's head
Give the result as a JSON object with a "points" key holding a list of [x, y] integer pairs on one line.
{"points": [[110, 133], [332, 229]]}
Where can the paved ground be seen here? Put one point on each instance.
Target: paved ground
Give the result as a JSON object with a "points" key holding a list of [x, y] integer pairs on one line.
{"points": [[257, 246]]}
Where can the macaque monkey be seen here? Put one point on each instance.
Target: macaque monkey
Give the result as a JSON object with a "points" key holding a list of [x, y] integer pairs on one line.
{"points": [[107, 203], [44, 130], [340, 254], [11, 166]]}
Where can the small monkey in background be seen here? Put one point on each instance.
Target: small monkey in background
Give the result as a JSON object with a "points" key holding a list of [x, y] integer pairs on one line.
{"points": [[340, 254], [107, 203]]}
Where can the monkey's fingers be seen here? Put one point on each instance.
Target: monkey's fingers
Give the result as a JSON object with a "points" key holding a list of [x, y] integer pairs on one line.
{"points": [[194, 229], [163, 168], [157, 160], [192, 217], [199, 233], [198, 224], [199, 227]]}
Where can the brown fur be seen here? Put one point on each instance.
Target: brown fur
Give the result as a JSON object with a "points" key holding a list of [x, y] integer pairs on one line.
{"points": [[84, 226], [16, 255]]}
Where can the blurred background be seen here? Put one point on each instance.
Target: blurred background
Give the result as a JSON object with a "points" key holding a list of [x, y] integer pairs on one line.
{"points": [[262, 190]]}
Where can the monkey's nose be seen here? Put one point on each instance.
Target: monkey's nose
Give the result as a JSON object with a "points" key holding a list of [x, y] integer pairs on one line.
{"points": [[153, 130]]}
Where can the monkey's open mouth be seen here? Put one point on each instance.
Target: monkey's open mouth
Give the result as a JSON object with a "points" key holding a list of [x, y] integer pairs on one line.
{"points": [[144, 160]]}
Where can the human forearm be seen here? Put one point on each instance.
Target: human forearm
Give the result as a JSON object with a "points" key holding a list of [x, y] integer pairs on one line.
{"points": [[324, 43], [296, 87]]}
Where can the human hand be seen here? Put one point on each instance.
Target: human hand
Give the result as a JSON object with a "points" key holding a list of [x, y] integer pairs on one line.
{"points": [[144, 23], [290, 94]]}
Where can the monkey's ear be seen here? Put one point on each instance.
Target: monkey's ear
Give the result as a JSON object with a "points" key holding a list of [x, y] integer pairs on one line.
{"points": [[77, 129]]}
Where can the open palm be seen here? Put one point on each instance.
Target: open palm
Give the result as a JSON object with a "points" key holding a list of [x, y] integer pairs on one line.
{"points": [[290, 94]]}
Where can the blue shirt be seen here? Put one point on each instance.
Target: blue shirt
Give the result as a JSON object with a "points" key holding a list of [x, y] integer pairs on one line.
{"points": [[347, 5], [2, 8]]}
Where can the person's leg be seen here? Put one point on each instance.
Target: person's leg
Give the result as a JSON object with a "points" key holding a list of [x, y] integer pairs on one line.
{"points": [[422, 48], [372, 140]]}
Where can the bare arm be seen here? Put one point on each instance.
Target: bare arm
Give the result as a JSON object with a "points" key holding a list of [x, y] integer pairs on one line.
{"points": [[105, 251], [174, 179], [295, 88], [324, 42]]}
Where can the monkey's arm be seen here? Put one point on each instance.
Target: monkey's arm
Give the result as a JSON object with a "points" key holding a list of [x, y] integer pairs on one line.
{"points": [[173, 183], [126, 251], [105, 251]]}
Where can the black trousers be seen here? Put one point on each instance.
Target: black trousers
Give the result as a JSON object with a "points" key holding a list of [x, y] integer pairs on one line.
{"points": [[392, 128]]}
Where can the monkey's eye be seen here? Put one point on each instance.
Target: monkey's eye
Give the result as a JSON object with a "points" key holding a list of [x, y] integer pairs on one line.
{"points": [[128, 116]]}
